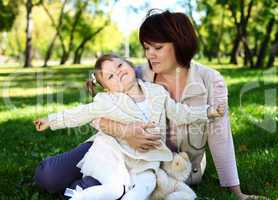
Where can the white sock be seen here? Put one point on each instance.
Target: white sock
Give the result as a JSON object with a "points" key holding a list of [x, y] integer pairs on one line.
{"points": [[99, 192], [145, 183]]}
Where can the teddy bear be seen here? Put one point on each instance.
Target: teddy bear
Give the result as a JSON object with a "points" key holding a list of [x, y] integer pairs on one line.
{"points": [[171, 175]]}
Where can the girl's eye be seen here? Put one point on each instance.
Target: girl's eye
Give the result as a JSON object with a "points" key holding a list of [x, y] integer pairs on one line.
{"points": [[120, 65], [110, 76], [146, 48]]}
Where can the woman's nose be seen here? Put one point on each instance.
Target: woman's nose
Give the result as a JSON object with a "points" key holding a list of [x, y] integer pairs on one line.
{"points": [[150, 53]]}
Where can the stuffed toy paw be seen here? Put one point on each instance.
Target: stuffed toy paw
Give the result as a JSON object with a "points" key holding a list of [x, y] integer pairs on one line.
{"points": [[170, 179]]}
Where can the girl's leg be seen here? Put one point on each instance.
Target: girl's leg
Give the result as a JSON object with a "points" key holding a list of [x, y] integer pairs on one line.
{"points": [[57, 172], [145, 183], [99, 192]]}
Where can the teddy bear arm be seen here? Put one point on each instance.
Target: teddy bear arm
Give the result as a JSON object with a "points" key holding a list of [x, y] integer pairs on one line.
{"points": [[182, 192]]}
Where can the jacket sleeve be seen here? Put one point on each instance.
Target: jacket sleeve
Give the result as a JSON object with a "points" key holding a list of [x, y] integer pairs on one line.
{"points": [[220, 138], [77, 116], [184, 114]]}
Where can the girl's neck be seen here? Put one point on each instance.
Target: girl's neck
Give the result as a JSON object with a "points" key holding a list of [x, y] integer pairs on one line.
{"points": [[135, 92]]}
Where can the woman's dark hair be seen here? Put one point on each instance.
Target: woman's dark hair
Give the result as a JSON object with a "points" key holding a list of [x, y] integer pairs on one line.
{"points": [[172, 27], [91, 84]]}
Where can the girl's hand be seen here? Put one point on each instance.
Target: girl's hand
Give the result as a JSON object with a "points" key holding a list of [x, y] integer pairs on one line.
{"points": [[139, 139], [218, 112], [41, 124]]}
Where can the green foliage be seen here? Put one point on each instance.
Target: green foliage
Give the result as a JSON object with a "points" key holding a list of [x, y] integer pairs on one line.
{"points": [[28, 94], [8, 13], [221, 21], [108, 40], [135, 47]]}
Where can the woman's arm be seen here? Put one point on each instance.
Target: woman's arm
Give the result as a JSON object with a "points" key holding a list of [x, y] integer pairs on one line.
{"points": [[220, 139], [134, 133]]}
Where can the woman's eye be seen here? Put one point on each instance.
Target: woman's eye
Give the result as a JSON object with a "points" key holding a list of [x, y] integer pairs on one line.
{"points": [[158, 47], [146, 48]]}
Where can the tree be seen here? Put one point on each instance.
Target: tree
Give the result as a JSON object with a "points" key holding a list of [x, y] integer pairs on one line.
{"points": [[78, 52], [29, 21], [273, 51], [214, 30], [8, 13], [57, 28], [262, 51], [135, 47], [241, 27]]}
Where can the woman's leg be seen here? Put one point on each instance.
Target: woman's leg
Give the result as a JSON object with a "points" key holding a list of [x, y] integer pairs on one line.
{"points": [[57, 172], [145, 183]]}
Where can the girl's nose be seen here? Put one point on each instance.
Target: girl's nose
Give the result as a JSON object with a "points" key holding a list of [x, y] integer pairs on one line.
{"points": [[118, 72]]}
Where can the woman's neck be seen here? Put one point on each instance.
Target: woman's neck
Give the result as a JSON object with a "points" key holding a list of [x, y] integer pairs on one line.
{"points": [[175, 81]]}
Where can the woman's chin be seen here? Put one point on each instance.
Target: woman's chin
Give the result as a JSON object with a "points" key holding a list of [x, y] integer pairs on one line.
{"points": [[156, 70]]}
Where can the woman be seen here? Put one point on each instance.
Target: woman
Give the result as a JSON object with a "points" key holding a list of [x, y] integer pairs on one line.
{"points": [[170, 43]]}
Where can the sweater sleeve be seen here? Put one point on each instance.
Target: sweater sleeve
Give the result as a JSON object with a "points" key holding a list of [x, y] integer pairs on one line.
{"points": [[220, 138], [184, 114], [77, 116], [69, 118]]}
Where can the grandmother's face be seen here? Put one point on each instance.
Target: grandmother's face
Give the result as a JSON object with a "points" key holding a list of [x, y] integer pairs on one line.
{"points": [[161, 56]]}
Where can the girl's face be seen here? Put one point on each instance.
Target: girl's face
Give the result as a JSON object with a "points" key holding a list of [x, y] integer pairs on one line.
{"points": [[117, 75], [161, 56]]}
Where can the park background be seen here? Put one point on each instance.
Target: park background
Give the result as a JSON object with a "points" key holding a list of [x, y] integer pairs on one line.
{"points": [[48, 47]]}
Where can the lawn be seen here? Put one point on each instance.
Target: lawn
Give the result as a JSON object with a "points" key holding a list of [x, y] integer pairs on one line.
{"points": [[27, 94]]}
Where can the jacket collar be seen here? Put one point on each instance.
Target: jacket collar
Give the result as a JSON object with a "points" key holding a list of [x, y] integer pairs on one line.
{"points": [[194, 85], [153, 96]]}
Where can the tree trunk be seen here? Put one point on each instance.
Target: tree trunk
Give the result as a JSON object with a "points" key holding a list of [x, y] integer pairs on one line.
{"points": [[78, 55], [247, 52], [241, 27], [58, 31], [28, 48], [64, 57], [235, 50], [273, 51], [262, 51], [49, 50], [76, 19], [220, 35], [80, 49]]}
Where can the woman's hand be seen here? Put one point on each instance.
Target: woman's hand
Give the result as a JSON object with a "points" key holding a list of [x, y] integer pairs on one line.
{"points": [[138, 138], [41, 124], [241, 196], [216, 112], [251, 197]]}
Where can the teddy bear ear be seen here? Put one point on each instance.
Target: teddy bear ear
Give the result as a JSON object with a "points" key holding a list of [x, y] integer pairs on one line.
{"points": [[184, 155]]}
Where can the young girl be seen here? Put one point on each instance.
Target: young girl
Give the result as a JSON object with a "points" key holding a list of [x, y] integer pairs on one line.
{"points": [[122, 171]]}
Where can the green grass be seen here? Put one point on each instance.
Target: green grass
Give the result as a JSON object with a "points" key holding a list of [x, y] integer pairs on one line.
{"points": [[27, 94]]}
